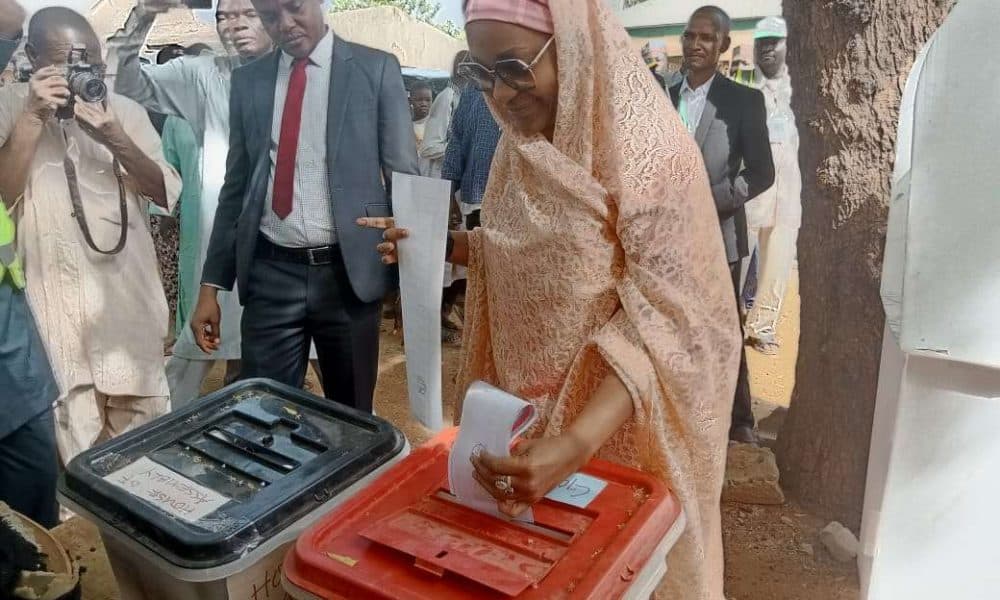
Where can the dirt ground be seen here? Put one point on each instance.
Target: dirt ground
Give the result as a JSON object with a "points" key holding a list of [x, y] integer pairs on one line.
{"points": [[772, 553]]}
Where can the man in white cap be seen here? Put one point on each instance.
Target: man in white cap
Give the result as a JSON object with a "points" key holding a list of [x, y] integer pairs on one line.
{"points": [[775, 216], [654, 65]]}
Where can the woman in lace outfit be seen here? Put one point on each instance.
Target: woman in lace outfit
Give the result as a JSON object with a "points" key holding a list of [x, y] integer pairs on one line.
{"points": [[598, 286]]}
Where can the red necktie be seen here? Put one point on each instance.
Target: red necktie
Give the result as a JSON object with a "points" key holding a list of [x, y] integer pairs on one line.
{"points": [[288, 142]]}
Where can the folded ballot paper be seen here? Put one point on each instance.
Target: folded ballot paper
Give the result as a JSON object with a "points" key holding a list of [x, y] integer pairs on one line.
{"points": [[491, 420]]}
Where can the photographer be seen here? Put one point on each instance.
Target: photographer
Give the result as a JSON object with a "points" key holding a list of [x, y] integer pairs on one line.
{"points": [[28, 459], [86, 171]]}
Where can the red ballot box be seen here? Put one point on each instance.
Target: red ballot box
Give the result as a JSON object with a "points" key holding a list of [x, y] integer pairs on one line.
{"points": [[606, 535]]}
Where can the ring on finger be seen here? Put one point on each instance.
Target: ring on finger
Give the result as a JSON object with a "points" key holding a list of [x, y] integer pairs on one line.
{"points": [[505, 484]]}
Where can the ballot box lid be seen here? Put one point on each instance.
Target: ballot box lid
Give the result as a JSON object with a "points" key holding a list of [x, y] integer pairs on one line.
{"points": [[405, 536], [205, 485]]}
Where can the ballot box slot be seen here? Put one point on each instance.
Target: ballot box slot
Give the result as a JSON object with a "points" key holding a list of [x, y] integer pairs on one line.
{"points": [[307, 429], [282, 439], [444, 537], [249, 448], [538, 528], [226, 457]]}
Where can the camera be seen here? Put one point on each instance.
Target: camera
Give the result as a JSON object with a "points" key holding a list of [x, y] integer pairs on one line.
{"points": [[23, 71], [86, 81]]}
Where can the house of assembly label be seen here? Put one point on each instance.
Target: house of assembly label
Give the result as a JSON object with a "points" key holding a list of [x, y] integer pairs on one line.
{"points": [[167, 490]]}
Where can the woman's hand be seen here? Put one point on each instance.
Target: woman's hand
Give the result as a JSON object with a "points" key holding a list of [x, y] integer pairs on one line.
{"points": [[538, 466], [535, 468], [391, 234]]}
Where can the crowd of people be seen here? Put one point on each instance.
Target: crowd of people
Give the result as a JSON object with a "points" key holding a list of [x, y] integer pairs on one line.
{"points": [[605, 226]]}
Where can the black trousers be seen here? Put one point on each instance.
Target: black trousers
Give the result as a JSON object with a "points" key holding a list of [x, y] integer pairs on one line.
{"points": [[472, 220], [742, 407], [29, 466], [289, 305]]}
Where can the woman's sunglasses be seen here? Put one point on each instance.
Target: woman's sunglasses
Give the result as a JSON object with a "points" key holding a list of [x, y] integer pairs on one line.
{"points": [[514, 72]]}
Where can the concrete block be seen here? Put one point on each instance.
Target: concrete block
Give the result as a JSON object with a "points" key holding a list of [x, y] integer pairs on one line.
{"points": [[752, 476], [840, 542]]}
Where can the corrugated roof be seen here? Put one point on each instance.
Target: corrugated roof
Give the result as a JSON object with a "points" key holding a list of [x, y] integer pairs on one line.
{"points": [[661, 13]]}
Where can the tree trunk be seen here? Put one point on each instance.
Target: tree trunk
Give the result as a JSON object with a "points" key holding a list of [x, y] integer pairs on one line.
{"points": [[849, 60]]}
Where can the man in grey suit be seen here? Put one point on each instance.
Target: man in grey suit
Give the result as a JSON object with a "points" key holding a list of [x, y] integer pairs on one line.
{"points": [[317, 128], [729, 122]]}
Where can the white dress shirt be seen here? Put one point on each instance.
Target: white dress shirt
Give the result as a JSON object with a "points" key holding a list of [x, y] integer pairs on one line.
{"points": [[693, 101], [310, 223]]}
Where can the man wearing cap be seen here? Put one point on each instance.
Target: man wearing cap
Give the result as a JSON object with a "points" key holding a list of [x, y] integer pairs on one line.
{"points": [[654, 66], [775, 216], [729, 123], [28, 458]]}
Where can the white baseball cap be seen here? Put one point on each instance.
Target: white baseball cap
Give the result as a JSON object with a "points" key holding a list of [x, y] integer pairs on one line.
{"points": [[771, 27]]}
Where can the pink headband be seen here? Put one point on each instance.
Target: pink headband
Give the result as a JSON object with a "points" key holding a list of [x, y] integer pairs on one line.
{"points": [[533, 14]]}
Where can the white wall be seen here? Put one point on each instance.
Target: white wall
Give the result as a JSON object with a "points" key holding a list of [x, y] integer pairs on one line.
{"points": [[414, 43]]}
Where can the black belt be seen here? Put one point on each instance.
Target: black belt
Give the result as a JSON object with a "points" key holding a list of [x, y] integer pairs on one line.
{"points": [[323, 255]]}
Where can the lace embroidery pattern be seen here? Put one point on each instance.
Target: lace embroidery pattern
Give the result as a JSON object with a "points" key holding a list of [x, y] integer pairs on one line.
{"points": [[602, 251]]}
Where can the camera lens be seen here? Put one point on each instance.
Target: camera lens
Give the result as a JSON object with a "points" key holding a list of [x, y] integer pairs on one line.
{"points": [[94, 90], [88, 87]]}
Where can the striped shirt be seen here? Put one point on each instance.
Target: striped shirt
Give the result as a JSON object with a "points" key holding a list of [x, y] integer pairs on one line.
{"points": [[310, 223]]}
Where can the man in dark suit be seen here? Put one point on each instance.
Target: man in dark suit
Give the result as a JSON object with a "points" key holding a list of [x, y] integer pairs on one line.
{"points": [[317, 128], [729, 122]]}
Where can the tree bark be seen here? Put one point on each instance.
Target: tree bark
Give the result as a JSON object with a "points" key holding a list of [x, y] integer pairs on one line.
{"points": [[848, 60]]}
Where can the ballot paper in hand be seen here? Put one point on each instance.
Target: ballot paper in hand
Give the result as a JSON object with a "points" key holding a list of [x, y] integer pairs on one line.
{"points": [[420, 205], [491, 420]]}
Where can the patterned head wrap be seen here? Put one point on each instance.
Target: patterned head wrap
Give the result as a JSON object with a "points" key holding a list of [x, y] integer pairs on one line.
{"points": [[533, 14]]}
